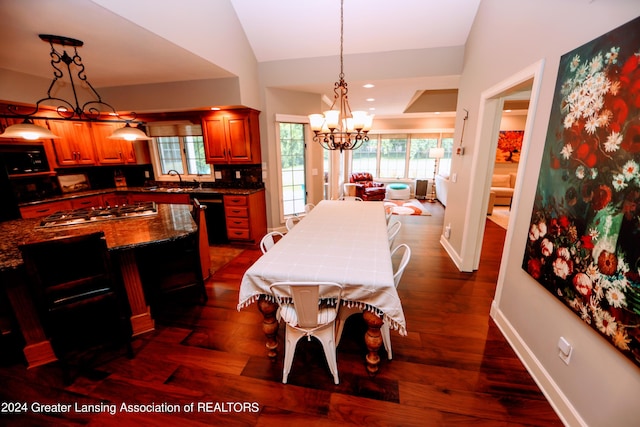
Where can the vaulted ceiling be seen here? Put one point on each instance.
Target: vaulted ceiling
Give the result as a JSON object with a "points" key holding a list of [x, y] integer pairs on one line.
{"points": [[119, 52]]}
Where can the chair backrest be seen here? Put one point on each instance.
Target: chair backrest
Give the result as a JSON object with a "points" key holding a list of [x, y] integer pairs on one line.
{"points": [[308, 207], [306, 297], [198, 213], [360, 176], [65, 270], [352, 198], [406, 256], [388, 213], [269, 240], [291, 222], [392, 231]]}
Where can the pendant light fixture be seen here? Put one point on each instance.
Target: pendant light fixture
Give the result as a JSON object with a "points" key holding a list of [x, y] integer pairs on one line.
{"points": [[95, 110], [340, 128]]}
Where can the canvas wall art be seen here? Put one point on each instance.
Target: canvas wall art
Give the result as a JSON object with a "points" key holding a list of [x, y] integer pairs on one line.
{"points": [[509, 146], [584, 236]]}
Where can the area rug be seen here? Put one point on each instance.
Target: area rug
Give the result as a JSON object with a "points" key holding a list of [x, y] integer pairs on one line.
{"points": [[500, 216], [406, 207]]}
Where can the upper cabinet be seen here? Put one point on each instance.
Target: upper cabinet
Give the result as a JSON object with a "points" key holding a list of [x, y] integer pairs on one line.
{"points": [[74, 147], [111, 151], [232, 137]]}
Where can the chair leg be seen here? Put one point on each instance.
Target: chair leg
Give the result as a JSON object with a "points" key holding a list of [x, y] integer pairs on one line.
{"points": [[291, 340], [386, 339], [327, 338]]}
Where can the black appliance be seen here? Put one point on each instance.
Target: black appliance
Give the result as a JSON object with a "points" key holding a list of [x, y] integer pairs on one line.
{"points": [[24, 176], [214, 217]]}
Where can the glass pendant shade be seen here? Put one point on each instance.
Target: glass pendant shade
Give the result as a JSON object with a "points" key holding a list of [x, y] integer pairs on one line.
{"points": [[27, 130], [129, 133]]}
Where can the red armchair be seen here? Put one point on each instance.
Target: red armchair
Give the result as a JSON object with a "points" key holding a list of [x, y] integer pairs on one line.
{"points": [[366, 188]]}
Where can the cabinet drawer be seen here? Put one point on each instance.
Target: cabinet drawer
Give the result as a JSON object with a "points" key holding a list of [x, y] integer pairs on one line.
{"points": [[86, 202], [240, 211], [237, 222], [235, 200], [238, 234], [44, 209]]}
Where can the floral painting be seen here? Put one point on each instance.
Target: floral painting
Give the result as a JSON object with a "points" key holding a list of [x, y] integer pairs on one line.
{"points": [[509, 146], [584, 237]]}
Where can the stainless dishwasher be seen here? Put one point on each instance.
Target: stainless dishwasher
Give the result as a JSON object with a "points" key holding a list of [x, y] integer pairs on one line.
{"points": [[214, 215]]}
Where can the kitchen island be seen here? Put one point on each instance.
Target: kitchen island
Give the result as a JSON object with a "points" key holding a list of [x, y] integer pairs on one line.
{"points": [[171, 222]]}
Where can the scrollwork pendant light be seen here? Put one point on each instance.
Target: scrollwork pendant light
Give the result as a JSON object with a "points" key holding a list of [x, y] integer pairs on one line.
{"points": [[340, 128]]}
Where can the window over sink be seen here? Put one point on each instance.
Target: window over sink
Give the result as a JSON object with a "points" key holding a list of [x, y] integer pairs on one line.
{"points": [[179, 148]]}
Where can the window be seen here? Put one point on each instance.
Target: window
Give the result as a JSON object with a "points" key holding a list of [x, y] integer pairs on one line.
{"points": [[402, 155], [184, 154], [365, 158], [292, 145], [393, 156]]}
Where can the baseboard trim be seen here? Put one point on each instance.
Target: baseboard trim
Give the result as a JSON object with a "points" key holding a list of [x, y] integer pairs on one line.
{"points": [[559, 402], [452, 252]]}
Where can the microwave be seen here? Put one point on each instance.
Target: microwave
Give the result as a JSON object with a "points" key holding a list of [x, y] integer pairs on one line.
{"points": [[23, 159]]}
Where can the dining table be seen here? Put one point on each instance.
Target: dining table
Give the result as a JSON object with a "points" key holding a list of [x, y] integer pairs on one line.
{"points": [[340, 241]]}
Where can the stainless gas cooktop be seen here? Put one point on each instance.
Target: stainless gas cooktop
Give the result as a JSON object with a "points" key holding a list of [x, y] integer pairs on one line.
{"points": [[87, 215]]}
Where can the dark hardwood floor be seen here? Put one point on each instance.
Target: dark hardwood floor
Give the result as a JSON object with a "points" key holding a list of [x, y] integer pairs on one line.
{"points": [[453, 368]]}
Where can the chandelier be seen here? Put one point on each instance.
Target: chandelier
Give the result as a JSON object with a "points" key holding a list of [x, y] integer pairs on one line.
{"points": [[95, 110], [340, 128]]}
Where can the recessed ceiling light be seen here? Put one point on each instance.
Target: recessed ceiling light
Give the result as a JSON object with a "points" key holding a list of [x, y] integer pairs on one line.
{"points": [[437, 112], [369, 85], [215, 108], [370, 99], [507, 111]]}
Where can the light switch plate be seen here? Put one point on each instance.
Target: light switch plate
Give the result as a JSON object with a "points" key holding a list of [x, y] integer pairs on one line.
{"points": [[217, 174], [237, 174]]}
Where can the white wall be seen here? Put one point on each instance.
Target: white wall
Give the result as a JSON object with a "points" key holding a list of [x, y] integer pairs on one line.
{"points": [[600, 387]]}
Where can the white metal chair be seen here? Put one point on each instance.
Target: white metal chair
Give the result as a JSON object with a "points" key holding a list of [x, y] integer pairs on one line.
{"points": [[388, 213], [291, 222], [269, 240], [385, 331], [309, 309], [308, 207], [392, 231], [353, 198]]}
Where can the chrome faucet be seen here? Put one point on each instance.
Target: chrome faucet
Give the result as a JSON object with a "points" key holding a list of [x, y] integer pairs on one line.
{"points": [[175, 172]]}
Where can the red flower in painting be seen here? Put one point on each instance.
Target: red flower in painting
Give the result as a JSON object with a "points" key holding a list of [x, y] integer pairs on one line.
{"points": [[601, 197], [534, 267], [631, 141]]}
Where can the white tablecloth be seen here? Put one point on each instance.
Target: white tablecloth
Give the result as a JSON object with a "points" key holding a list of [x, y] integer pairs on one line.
{"points": [[338, 241]]}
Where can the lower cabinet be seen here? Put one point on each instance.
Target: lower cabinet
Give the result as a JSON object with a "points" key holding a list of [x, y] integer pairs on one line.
{"points": [[44, 209], [246, 217]]}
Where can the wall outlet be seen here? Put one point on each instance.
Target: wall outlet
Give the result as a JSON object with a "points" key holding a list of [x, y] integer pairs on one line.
{"points": [[447, 231], [454, 177], [237, 174], [217, 175]]}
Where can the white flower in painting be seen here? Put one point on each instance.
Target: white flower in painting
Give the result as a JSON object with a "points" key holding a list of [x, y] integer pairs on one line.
{"points": [[569, 120], [534, 233], [605, 322], [580, 172], [630, 170], [542, 228], [564, 253], [592, 271], [594, 173], [616, 298], [566, 152], [575, 63], [613, 142], [612, 56], [596, 64], [594, 234], [561, 268], [546, 247], [615, 88], [604, 118], [584, 313], [618, 182]]}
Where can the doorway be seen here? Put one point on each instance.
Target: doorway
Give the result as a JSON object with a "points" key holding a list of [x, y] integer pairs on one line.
{"points": [[490, 117]]}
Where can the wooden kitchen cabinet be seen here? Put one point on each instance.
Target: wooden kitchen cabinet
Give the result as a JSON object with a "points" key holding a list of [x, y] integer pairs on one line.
{"points": [[246, 217], [111, 151], [86, 202], [44, 209], [232, 137], [74, 147]]}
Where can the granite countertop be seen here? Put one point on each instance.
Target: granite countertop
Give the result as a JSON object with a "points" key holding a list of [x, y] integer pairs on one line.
{"points": [[170, 188], [170, 223]]}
